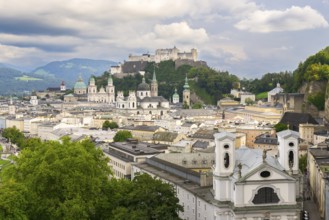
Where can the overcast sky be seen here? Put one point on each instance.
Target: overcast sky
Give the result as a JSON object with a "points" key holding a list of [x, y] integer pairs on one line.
{"points": [[246, 38]]}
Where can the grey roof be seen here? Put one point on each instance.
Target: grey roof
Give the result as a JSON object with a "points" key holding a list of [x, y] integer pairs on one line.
{"points": [[200, 144], [165, 136], [223, 135], [288, 133], [293, 119], [136, 148], [154, 99], [204, 134], [250, 159], [143, 87], [141, 128], [266, 139], [189, 160]]}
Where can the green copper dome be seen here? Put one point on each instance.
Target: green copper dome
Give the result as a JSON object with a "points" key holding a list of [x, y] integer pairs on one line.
{"points": [[186, 86], [80, 84], [175, 94]]}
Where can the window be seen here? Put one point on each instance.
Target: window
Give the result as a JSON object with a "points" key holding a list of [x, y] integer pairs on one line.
{"points": [[291, 144], [265, 195], [226, 160], [184, 162], [226, 146], [291, 159], [265, 174]]}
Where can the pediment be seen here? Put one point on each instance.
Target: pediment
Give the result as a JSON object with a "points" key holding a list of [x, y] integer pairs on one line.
{"points": [[265, 172]]}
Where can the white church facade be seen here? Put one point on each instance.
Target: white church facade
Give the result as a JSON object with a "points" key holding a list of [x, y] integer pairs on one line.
{"points": [[247, 184]]}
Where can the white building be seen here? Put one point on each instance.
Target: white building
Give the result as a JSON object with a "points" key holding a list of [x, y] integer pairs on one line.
{"points": [[246, 183], [273, 92]]}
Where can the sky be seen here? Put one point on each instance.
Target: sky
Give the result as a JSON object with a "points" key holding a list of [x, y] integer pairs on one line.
{"points": [[247, 38]]}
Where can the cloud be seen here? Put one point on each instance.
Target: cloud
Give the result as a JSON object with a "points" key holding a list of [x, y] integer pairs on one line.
{"points": [[292, 19], [41, 42], [180, 33]]}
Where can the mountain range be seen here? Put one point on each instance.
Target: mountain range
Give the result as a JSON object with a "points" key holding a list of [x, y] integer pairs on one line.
{"points": [[14, 81]]}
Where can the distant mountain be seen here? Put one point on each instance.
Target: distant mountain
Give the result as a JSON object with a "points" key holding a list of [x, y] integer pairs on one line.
{"points": [[13, 81], [70, 70]]}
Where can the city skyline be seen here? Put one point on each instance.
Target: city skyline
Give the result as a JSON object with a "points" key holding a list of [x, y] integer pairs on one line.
{"points": [[246, 38]]}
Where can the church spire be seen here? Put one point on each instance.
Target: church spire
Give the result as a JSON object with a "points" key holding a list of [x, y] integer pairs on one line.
{"points": [[186, 86], [154, 76]]}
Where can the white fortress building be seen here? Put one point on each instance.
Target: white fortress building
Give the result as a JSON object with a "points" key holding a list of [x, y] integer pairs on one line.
{"points": [[166, 54]]}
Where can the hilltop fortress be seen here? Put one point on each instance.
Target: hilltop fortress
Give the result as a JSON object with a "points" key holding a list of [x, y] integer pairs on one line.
{"points": [[138, 63], [166, 54]]}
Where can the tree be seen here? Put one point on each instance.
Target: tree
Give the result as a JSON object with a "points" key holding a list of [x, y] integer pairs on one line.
{"points": [[249, 101], [14, 135], [280, 127], [303, 163], [107, 124], [62, 180], [122, 136], [197, 105], [146, 198], [185, 106]]}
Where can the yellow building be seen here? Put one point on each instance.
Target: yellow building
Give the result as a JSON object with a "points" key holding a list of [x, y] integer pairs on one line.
{"points": [[318, 168]]}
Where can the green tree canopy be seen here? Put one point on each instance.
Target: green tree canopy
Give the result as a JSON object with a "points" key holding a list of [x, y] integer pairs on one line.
{"points": [[146, 198], [70, 180], [280, 127], [62, 180], [122, 136], [107, 124], [14, 135]]}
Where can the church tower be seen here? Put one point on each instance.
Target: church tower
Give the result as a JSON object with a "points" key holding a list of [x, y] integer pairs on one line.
{"points": [[11, 107], [63, 87], [110, 89], [186, 93], [224, 165], [175, 97], [288, 150], [154, 86], [92, 90]]}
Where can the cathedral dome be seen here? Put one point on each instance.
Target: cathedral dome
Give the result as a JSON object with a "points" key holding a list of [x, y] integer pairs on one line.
{"points": [[143, 86], [80, 84]]}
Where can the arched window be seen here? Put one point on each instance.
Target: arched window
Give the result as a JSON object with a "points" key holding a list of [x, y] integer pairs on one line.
{"points": [[291, 159], [226, 160], [133, 104], [265, 195]]}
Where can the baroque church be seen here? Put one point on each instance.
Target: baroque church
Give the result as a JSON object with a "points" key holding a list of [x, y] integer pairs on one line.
{"points": [[144, 100]]}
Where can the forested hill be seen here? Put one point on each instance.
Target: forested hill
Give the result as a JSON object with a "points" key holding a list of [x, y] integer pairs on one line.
{"points": [[314, 68], [208, 84]]}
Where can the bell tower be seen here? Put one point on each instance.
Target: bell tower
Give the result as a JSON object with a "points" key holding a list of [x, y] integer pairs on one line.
{"points": [[224, 165], [288, 150], [110, 89], [186, 93], [154, 85]]}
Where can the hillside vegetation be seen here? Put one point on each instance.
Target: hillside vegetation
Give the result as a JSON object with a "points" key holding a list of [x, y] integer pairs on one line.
{"points": [[208, 84]]}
